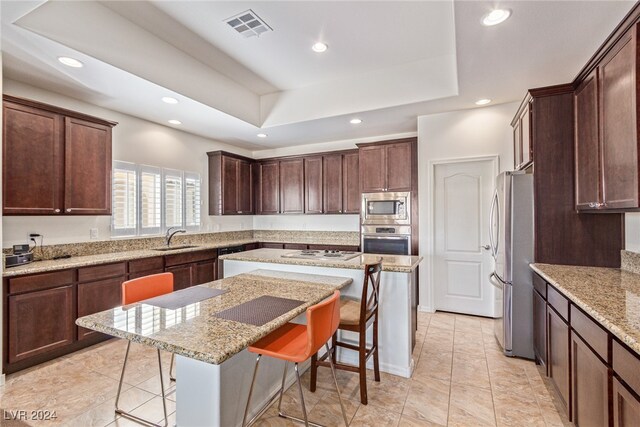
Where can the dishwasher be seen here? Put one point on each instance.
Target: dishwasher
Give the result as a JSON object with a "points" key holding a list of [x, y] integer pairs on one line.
{"points": [[225, 251]]}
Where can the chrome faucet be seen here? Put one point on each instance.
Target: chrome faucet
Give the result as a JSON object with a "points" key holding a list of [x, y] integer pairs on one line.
{"points": [[170, 234]]}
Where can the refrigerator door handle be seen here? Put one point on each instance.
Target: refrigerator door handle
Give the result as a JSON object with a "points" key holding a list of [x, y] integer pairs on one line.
{"points": [[493, 243], [495, 281]]}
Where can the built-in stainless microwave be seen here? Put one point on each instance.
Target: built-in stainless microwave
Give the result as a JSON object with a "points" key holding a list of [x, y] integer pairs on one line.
{"points": [[386, 208]]}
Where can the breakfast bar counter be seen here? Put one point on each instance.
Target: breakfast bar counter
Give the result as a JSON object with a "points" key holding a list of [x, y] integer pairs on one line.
{"points": [[398, 295], [213, 369]]}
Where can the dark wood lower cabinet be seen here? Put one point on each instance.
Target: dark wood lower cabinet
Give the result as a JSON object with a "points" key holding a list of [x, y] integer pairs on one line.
{"points": [[298, 246], [204, 272], [626, 406], [540, 328], [589, 386], [181, 276], [558, 356], [272, 245], [40, 322], [94, 297], [145, 273]]}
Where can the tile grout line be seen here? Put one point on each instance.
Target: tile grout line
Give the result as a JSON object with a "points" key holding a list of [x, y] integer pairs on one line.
{"points": [[493, 402]]}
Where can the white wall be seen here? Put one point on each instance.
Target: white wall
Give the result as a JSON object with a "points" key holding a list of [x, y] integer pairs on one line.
{"points": [[134, 140], [632, 231], [470, 133]]}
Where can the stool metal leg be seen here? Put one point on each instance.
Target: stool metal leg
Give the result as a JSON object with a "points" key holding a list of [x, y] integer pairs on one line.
{"points": [[164, 401], [253, 381], [173, 359], [304, 409], [284, 376], [335, 380]]}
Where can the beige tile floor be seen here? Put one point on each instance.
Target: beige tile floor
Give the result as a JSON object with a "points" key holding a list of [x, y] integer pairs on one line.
{"points": [[461, 379]]}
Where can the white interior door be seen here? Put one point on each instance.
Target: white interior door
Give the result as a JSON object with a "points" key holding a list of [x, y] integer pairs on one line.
{"points": [[462, 262]]}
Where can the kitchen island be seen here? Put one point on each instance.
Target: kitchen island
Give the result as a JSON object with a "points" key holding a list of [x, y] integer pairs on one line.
{"points": [[398, 296], [213, 369]]}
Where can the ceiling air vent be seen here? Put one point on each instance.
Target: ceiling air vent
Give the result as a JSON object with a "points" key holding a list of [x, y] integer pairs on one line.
{"points": [[248, 24]]}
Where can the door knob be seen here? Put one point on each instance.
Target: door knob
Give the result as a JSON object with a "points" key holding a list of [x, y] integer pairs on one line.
{"points": [[486, 247]]}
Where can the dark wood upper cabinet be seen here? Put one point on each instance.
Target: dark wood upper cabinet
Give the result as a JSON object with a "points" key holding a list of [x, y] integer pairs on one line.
{"points": [[332, 184], [55, 161], [87, 168], [587, 143], [589, 386], [522, 136], [313, 188], [268, 201], [386, 166], [351, 183], [230, 184], [292, 186]]}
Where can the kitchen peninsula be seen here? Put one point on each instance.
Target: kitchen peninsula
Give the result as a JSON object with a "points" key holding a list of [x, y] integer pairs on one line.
{"points": [[398, 295], [212, 369]]}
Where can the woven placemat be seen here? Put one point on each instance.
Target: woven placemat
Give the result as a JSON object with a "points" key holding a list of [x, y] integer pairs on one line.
{"points": [[260, 310], [183, 297]]}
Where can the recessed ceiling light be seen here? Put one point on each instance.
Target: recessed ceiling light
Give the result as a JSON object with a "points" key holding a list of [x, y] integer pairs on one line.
{"points": [[495, 17], [169, 100], [261, 135], [319, 47], [483, 101], [70, 62], [175, 122], [355, 121]]}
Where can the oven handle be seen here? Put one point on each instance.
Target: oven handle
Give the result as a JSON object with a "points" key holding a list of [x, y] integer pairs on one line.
{"points": [[387, 236]]}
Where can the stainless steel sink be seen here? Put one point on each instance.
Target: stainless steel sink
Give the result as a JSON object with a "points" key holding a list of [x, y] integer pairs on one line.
{"points": [[171, 248]]}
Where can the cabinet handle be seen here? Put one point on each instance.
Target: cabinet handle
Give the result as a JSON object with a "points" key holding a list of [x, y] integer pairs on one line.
{"points": [[592, 204], [239, 212], [69, 210], [340, 211], [57, 210]]}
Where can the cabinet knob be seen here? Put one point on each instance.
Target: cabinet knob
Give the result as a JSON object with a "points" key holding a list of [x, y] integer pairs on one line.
{"points": [[340, 211], [57, 210], [69, 210]]}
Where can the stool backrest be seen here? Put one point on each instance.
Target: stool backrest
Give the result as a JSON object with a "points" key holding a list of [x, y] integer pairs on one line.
{"points": [[322, 322], [146, 287], [370, 290]]}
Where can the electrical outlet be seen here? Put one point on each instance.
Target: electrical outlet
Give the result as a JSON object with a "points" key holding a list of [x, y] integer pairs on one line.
{"points": [[29, 236], [93, 233]]}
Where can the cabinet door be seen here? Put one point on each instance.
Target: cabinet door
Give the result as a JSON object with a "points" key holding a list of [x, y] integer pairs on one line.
{"points": [[40, 322], [589, 386], [94, 297], [332, 184], [313, 178], [517, 144], [540, 328], [229, 185], [182, 276], [87, 173], [626, 407], [619, 133], [204, 272], [292, 186], [245, 189], [350, 183], [398, 167], [269, 187], [558, 355], [587, 143], [33, 161], [525, 124], [373, 175]]}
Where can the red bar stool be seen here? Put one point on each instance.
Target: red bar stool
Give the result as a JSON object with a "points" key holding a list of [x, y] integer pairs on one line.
{"points": [[297, 343], [134, 291]]}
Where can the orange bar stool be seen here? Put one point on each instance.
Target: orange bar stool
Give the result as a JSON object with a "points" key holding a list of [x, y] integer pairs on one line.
{"points": [[357, 316], [134, 291], [297, 343]]}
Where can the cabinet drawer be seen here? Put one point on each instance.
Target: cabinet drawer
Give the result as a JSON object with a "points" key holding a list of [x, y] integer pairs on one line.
{"points": [[558, 302], [146, 264], [272, 245], [145, 273], [540, 285], [41, 281], [627, 366], [98, 272], [189, 257], [591, 332], [297, 246]]}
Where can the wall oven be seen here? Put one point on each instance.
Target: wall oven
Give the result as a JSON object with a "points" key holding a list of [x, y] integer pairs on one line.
{"points": [[384, 239], [392, 208]]}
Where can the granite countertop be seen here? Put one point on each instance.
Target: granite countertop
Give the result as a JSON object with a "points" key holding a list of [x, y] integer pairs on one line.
{"points": [[88, 260], [193, 332], [394, 263], [611, 296]]}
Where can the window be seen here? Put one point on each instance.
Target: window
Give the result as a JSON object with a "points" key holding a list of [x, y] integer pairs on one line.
{"points": [[148, 200]]}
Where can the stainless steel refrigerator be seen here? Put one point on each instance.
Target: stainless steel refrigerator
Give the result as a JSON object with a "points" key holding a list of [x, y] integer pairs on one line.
{"points": [[511, 237]]}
